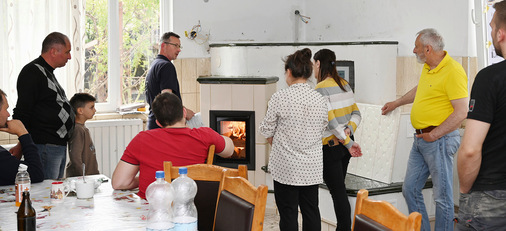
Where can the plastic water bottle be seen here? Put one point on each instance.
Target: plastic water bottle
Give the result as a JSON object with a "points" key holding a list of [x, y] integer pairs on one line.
{"points": [[183, 208], [159, 195], [22, 183]]}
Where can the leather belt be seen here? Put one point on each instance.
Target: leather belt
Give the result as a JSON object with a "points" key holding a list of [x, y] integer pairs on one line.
{"points": [[425, 130]]}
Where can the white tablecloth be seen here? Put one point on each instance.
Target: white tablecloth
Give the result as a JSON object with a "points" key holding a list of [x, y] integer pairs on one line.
{"points": [[108, 210]]}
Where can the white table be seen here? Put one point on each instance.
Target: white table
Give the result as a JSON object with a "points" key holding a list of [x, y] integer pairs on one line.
{"points": [[108, 210]]}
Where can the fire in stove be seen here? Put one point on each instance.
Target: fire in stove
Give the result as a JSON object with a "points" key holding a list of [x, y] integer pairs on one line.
{"points": [[240, 127], [236, 130]]}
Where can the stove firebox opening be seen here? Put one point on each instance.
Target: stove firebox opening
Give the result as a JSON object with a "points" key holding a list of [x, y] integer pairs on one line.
{"points": [[240, 127]]}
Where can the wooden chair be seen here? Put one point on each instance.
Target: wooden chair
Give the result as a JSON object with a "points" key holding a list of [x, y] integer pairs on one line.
{"points": [[241, 206], [381, 215], [210, 154], [208, 178]]}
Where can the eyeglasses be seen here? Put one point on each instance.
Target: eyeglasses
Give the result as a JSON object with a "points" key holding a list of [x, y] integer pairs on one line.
{"points": [[173, 44]]}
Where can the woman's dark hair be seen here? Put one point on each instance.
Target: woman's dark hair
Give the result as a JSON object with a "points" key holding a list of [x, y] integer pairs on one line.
{"points": [[327, 60], [300, 63]]}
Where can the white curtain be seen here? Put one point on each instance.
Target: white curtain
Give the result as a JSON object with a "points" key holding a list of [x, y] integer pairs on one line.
{"points": [[23, 26]]}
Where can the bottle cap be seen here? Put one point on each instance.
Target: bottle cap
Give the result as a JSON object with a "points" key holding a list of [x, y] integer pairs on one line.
{"points": [[22, 167], [160, 174], [183, 170]]}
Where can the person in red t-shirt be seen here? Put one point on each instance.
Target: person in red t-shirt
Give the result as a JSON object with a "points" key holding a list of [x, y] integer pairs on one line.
{"points": [[174, 141]]}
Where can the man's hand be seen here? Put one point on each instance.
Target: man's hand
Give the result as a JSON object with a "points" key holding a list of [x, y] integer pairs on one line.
{"points": [[428, 137], [17, 151], [388, 107], [15, 127], [355, 150], [269, 140], [189, 114]]}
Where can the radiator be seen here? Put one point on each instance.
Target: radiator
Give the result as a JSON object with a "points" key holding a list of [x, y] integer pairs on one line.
{"points": [[110, 138]]}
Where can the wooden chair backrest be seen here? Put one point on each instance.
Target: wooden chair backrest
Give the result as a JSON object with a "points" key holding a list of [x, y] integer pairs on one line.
{"points": [[243, 189], [208, 178], [204, 172], [210, 154], [385, 214]]}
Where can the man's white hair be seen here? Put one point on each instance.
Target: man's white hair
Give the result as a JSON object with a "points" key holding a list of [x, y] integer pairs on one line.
{"points": [[431, 37]]}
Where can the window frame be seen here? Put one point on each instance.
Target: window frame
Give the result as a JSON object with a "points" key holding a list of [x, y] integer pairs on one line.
{"points": [[114, 66]]}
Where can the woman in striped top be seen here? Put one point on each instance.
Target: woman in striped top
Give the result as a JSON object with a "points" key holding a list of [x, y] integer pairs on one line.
{"points": [[338, 144]]}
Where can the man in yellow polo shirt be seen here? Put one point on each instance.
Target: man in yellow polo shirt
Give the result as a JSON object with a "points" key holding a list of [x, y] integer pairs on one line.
{"points": [[439, 106]]}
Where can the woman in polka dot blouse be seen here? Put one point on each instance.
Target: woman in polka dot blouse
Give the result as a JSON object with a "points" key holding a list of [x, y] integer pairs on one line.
{"points": [[338, 144], [294, 123]]}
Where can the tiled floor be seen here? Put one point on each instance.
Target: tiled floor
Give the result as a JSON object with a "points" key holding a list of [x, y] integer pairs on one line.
{"points": [[271, 220]]}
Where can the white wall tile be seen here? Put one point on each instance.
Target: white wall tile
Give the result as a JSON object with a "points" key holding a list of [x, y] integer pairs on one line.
{"points": [[262, 95], [205, 102], [242, 97], [221, 97], [260, 161]]}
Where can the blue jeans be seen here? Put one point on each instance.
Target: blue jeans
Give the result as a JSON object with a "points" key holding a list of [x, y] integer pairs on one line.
{"points": [[482, 210], [434, 159], [53, 158]]}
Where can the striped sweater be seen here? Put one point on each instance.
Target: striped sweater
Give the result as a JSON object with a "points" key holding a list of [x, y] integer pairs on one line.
{"points": [[342, 111]]}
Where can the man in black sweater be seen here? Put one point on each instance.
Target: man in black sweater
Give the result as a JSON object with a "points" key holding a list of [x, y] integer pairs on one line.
{"points": [[8, 163], [43, 107]]}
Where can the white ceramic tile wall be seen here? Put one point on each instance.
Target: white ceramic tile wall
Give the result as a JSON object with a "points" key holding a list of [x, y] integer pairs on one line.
{"points": [[221, 99], [260, 161], [242, 97], [260, 99], [247, 97], [376, 135], [205, 102]]}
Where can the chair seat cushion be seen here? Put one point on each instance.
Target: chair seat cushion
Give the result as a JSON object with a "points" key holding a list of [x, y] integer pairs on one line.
{"points": [[233, 213], [364, 223], [205, 201]]}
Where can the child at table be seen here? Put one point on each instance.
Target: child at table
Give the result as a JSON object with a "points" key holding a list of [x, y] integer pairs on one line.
{"points": [[81, 148]]}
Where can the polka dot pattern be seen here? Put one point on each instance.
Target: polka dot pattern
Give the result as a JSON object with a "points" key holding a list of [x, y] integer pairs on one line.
{"points": [[296, 118]]}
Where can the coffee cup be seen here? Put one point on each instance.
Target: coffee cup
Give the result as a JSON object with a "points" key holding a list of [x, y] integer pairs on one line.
{"points": [[85, 189], [59, 191]]}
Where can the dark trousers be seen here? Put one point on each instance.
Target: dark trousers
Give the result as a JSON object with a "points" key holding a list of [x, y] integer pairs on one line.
{"points": [[289, 198], [335, 165]]}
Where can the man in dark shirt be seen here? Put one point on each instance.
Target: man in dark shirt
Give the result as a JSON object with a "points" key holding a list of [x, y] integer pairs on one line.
{"points": [[482, 155], [8, 163], [43, 107], [162, 76]]}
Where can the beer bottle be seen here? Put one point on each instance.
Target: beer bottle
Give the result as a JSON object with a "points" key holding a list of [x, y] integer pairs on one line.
{"points": [[26, 214]]}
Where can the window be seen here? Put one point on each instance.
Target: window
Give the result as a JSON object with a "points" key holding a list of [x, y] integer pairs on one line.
{"points": [[483, 13], [121, 39]]}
